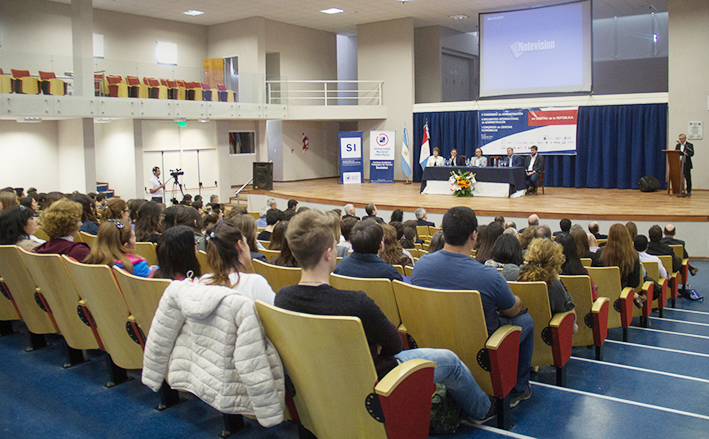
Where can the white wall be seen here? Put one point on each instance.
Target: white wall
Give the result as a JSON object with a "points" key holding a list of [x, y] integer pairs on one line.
{"points": [[427, 64], [320, 160], [70, 151], [115, 157], [237, 169], [305, 53], [29, 155]]}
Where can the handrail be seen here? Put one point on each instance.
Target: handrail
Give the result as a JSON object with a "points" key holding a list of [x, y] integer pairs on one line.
{"points": [[285, 91], [238, 191]]}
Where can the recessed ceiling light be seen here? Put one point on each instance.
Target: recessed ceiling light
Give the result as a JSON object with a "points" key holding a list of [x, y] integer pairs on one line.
{"points": [[332, 11], [193, 12], [402, 1], [459, 17]]}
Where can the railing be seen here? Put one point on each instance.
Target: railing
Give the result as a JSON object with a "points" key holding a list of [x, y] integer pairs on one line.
{"points": [[238, 191], [324, 92]]}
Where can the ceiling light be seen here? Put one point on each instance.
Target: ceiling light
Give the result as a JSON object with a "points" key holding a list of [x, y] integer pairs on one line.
{"points": [[30, 120], [332, 11], [193, 12], [459, 17], [402, 1], [102, 120]]}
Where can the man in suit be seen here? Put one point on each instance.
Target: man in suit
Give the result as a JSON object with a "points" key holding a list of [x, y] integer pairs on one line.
{"points": [[479, 161], [533, 165], [457, 160], [687, 153], [594, 228], [421, 218], [371, 210], [658, 248], [349, 211], [512, 159], [670, 239]]}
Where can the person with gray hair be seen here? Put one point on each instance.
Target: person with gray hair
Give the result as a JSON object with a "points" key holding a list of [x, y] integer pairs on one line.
{"points": [[261, 221], [349, 211], [511, 231], [543, 231], [421, 218], [214, 199], [533, 219], [371, 210]]}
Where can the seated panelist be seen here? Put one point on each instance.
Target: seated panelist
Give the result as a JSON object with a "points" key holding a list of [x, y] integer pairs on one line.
{"points": [[457, 160], [435, 159], [479, 161], [512, 160]]}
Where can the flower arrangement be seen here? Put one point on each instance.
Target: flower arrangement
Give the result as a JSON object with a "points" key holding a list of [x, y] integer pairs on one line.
{"points": [[462, 183]]}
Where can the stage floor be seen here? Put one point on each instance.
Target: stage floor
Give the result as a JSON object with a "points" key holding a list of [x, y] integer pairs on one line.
{"points": [[586, 204]]}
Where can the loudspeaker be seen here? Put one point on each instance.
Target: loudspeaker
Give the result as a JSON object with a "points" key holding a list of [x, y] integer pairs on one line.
{"points": [[648, 184], [263, 176]]}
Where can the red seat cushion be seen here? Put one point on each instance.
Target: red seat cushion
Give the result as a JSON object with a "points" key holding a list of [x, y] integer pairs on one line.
{"points": [[19, 73], [46, 75], [114, 79], [152, 82], [132, 80], [221, 87]]}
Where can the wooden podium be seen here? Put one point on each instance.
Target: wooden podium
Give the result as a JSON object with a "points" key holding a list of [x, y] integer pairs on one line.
{"points": [[675, 180]]}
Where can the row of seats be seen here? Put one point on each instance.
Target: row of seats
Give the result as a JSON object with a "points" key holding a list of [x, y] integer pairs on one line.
{"points": [[24, 83], [152, 88]]}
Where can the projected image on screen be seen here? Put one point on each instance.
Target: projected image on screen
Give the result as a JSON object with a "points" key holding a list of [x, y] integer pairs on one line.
{"points": [[541, 50]]}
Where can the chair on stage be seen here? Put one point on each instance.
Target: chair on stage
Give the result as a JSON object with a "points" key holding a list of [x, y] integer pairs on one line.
{"points": [[553, 333], [653, 271], [51, 85], [277, 277], [607, 282], [88, 238], [540, 180], [5, 83], [592, 317], [141, 295], [19, 286], [673, 286], [147, 251], [24, 83], [335, 388], [454, 320], [203, 262]]}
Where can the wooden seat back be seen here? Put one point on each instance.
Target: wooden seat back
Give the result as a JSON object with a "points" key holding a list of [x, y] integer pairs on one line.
{"points": [[203, 262], [536, 299], [277, 277], [22, 287], [329, 363], [88, 238], [41, 234], [678, 249], [141, 295], [653, 271], [379, 290], [579, 287], [408, 270], [8, 308], [586, 262], [147, 251], [270, 254], [60, 293], [607, 281], [422, 231], [102, 296], [432, 230], [399, 268]]}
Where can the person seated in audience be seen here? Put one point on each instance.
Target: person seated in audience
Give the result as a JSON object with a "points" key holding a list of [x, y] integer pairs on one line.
{"points": [[479, 161], [273, 217], [543, 263], [511, 231], [302, 209], [270, 204], [500, 305], [214, 200], [438, 241], [371, 210], [457, 160], [506, 254], [346, 227], [7, 199], [229, 257], [148, 227], [582, 239], [278, 236], [247, 225], [392, 252], [499, 219], [592, 243], [526, 237], [640, 243], [594, 228], [292, 205], [349, 211], [310, 237], [18, 224], [101, 201], [486, 239], [632, 229], [620, 252], [564, 227], [670, 239], [134, 206], [19, 193], [435, 159], [408, 241], [572, 265], [543, 231], [177, 255], [30, 203], [422, 218], [188, 216], [116, 209], [50, 198], [509, 224], [412, 224], [342, 249], [366, 239], [210, 217], [657, 248], [88, 216], [285, 258], [198, 205], [478, 238], [186, 200], [62, 221], [397, 216], [115, 246], [168, 217]]}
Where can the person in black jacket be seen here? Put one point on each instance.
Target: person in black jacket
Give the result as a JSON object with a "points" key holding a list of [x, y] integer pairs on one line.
{"points": [[533, 165], [687, 153], [657, 248]]}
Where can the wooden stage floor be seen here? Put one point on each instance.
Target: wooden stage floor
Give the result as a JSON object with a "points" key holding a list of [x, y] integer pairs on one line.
{"points": [[586, 204]]}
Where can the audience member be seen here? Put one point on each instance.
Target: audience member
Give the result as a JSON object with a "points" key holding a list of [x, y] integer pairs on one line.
{"points": [[188, 216], [670, 239], [346, 227], [30, 203], [61, 222], [478, 240], [506, 254], [198, 205], [620, 252], [285, 258], [18, 224], [270, 204], [532, 221], [229, 258], [526, 237], [134, 206], [640, 242], [293, 205], [592, 243], [116, 209], [350, 211], [289, 214], [7, 199], [186, 200], [438, 241], [169, 215], [657, 248], [487, 238], [314, 246], [247, 225], [214, 200], [594, 228], [392, 252], [148, 227], [278, 236], [399, 229], [422, 218], [88, 216], [409, 238], [342, 249], [500, 220], [210, 217], [511, 231], [564, 226], [397, 216], [632, 229], [302, 209], [543, 231], [366, 239], [50, 198], [273, 216], [115, 246], [572, 264], [509, 224], [177, 256], [371, 210]]}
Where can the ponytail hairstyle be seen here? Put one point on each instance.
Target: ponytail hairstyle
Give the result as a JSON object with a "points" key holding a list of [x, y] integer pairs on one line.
{"points": [[114, 209], [111, 240], [223, 254]]}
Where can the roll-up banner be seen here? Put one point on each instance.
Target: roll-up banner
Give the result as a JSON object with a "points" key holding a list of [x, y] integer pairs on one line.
{"points": [[351, 168], [381, 156], [553, 130]]}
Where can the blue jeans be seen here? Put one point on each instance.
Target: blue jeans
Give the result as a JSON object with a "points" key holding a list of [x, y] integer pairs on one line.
{"points": [[526, 349], [455, 375], [533, 179]]}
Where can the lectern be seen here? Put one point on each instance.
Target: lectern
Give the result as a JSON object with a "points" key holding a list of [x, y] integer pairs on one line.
{"points": [[675, 180]]}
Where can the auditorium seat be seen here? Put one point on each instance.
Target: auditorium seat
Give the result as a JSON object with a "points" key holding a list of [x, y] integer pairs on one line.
{"points": [[5, 83], [335, 388], [51, 85], [607, 282], [591, 316], [174, 90], [88, 238], [23, 83], [270, 254], [142, 296], [454, 320], [409, 270], [117, 87], [380, 291], [41, 234], [194, 91], [136, 89], [147, 251], [277, 277], [210, 94], [181, 89], [8, 307], [100, 85], [203, 262], [155, 89], [684, 272], [653, 271], [646, 289], [422, 232], [673, 285], [226, 95], [553, 333], [586, 262]]}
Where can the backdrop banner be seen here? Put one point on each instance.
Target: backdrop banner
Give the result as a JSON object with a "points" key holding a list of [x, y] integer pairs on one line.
{"points": [[382, 150], [351, 168], [553, 130]]}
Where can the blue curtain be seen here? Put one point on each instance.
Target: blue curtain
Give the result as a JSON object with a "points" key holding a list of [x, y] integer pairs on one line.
{"points": [[616, 145]]}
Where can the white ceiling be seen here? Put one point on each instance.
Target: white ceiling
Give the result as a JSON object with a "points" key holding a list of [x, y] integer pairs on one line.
{"points": [[307, 12]]}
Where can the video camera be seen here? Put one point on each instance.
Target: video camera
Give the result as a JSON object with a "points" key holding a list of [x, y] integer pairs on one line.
{"points": [[176, 172]]}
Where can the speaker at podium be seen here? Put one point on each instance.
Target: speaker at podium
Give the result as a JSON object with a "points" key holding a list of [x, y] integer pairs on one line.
{"points": [[263, 176]]}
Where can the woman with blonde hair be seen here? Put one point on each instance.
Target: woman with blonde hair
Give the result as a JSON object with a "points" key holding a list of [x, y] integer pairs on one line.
{"points": [[247, 225], [525, 237], [116, 209], [543, 262], [620, 252], [61, 221], [115, 246], [7, 200], [392, 252], [229, 257]]}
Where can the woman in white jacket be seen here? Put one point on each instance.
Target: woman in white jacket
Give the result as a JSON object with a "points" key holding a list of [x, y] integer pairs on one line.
{"points": [[229, 257]]}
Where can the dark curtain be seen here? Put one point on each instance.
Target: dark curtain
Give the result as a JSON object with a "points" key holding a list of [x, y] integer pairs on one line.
{"points": [[616, 145]]}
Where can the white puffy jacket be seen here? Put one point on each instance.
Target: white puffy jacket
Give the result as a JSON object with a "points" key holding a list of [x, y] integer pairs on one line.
{"points": [[210, 342]]}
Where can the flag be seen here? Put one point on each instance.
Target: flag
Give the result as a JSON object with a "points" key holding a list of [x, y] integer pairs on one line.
{"points": [[405, 154], [425, 147]]}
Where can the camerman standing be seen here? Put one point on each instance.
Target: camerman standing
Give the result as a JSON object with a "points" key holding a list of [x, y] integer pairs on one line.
{"points": [[157, 189]]}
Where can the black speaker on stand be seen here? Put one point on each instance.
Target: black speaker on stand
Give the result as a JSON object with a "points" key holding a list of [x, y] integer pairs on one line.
{"points": [[263, 176]]}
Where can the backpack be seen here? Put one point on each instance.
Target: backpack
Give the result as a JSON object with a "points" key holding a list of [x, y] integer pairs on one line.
{"points": [[445, 412]]}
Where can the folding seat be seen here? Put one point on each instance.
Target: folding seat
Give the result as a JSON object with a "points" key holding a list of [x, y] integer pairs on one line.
{"points": [[100, 85], [155, 89], [270, 254], [203, 263], [51, 85], [226, 95], [673, 286], [277, 277], [194, 91], [117, 87], [211, 94], [591, 316], [5, 83], [181, 89], [88, 238], [653, 271], [147, 251], [607, 281], [136, 89], [335, 388], [23, 83]]}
